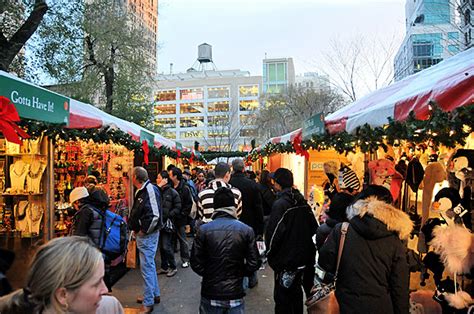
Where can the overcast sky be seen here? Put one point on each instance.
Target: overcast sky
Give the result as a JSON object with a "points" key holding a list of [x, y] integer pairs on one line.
{"points": [[242, 31]]}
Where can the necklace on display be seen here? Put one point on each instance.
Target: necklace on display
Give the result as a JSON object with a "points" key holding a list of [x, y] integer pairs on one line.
{"points": [[35, 174], [23, 165]]}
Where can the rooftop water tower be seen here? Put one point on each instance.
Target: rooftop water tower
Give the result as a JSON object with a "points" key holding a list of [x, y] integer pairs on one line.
{"points": [[204, 61]]}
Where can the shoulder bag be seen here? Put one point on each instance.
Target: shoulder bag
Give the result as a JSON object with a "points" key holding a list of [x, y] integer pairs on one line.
{"points": [[321, 293]]}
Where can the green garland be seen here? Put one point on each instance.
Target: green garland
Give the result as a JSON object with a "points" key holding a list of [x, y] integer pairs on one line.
{"points": [[441, 128], [101, 135]]}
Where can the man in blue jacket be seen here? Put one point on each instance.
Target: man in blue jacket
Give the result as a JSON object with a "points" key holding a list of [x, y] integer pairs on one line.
{"points": [[146, 221]]}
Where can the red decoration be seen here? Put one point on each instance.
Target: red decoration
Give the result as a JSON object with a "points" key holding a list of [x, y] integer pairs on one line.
{"points": [[299, 148], [8, 117], [191, 159], [146, 151]]}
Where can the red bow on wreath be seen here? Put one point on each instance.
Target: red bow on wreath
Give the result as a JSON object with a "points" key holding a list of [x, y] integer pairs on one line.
{"points": [[299, 148], [146, 151], [8, 117]]}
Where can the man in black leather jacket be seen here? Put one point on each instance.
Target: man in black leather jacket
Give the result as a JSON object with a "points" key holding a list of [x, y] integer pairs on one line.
{"points": [[223, 252]]}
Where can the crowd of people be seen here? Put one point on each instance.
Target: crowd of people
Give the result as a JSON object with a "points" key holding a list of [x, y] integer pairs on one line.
{"points": [[228, 210]]}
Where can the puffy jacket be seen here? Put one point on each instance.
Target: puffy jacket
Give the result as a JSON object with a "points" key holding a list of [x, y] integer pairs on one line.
{"points": [[252, 211], [171, 202], [223, 252], [87, 222], [184, 192], [146, 214], [324, 230], [289, 233], [373, 275]]}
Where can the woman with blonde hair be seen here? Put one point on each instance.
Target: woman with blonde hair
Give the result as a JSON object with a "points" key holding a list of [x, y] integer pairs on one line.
{"points": [[65, 276]]}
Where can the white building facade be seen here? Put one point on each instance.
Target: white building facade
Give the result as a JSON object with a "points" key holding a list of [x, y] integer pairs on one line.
{"points": [[432, 35], [214, 108]]}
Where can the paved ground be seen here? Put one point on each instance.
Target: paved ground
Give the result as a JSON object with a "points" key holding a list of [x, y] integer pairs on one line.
{"points": [[181, 293]]}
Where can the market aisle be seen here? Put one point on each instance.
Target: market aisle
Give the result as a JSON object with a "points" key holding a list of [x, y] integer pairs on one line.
{"points": [[181, 293]]}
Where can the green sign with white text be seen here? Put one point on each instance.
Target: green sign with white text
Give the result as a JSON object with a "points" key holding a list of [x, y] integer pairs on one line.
{"points": [[313, 125], [35, 103], [150, 138]]}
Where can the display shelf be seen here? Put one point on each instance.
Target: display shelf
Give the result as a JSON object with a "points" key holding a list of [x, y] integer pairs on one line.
{"points": [[23, 154], [21, 194]]}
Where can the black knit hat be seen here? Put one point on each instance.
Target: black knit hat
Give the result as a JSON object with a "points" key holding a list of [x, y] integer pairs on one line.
{"points": [[223, 197], [283, 177], [380, 192], [339, 203]]}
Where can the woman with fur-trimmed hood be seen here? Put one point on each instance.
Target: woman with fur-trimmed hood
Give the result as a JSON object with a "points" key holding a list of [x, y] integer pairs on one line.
{"points": [[373, 275]]}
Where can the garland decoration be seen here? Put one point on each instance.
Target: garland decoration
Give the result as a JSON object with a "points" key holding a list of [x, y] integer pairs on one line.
{"points": [[440, 128], [101, 135]]}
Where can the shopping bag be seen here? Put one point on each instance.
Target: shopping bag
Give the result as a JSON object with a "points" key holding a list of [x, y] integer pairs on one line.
{"points": [[131, 260]]}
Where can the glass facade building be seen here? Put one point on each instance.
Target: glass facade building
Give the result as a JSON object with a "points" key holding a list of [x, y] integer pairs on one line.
{"points": [[278, 74], [431, 36]]}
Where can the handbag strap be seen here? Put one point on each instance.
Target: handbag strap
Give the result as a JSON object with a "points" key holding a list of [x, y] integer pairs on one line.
{"points": [[345, 226]]}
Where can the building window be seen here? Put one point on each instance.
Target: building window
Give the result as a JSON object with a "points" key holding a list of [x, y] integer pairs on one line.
{"points": [[276, 88], [191, 94], [272, 77], [191, 122], [453, 35], [194, 107], [453, 49], [248, 133], [218, 92], [218, 106], [218, 120], [247, 119], [214, 134], [281, 72], [248, 105], [165, 122], [467, 17], [248, 91], [165, 109], [191, 134], [165, 95], [423, 63], [422, 49], [169, 134]]}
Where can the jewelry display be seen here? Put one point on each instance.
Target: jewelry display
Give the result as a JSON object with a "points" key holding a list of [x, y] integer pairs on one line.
{"points": [[12, 148], [18, 172], [35, 174], [21, 217], [36, 214]]}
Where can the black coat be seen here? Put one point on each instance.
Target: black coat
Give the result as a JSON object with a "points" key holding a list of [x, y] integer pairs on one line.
{"points": [[268, 198], [146, 214], [324, 230], [373, 275], [252, 211], [223, 252], [289, 233], [170, 202], [184, 192]]}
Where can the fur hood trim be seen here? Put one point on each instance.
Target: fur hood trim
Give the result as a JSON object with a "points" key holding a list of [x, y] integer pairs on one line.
{"points": [[393, 218], [455, 245]]}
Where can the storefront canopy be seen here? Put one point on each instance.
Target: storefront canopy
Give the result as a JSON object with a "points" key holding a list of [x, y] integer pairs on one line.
{"points": [[289, 137], [450, 84], [38, 103]]}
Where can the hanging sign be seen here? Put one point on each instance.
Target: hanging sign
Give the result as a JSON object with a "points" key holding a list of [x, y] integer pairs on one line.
{"points": [[313, 125], [146, 136], [33, 102]]}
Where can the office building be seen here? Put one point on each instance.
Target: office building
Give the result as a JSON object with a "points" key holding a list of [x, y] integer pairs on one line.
{"points": [[214, 107], [312, 80], [467, 22], [432, 34], [278, 75], [145, 15]]}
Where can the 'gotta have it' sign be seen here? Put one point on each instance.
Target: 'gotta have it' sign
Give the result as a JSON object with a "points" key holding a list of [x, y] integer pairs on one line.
{"points": [[35, 103]]}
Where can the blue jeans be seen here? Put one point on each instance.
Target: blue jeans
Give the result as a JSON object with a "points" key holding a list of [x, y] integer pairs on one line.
{"points": [[183, 243], [206, 308], [147, 246], [167, 251], [251, 281]]}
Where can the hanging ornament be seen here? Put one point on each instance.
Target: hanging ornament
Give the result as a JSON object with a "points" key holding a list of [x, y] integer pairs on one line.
{"points": [[146, 151]]}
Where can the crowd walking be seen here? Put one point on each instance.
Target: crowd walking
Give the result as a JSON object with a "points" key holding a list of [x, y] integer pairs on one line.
{"points": [[367, 257]]}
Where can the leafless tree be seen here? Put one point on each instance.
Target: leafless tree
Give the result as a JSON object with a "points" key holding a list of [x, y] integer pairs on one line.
{"points": [[359, 65], [284, 113]]}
